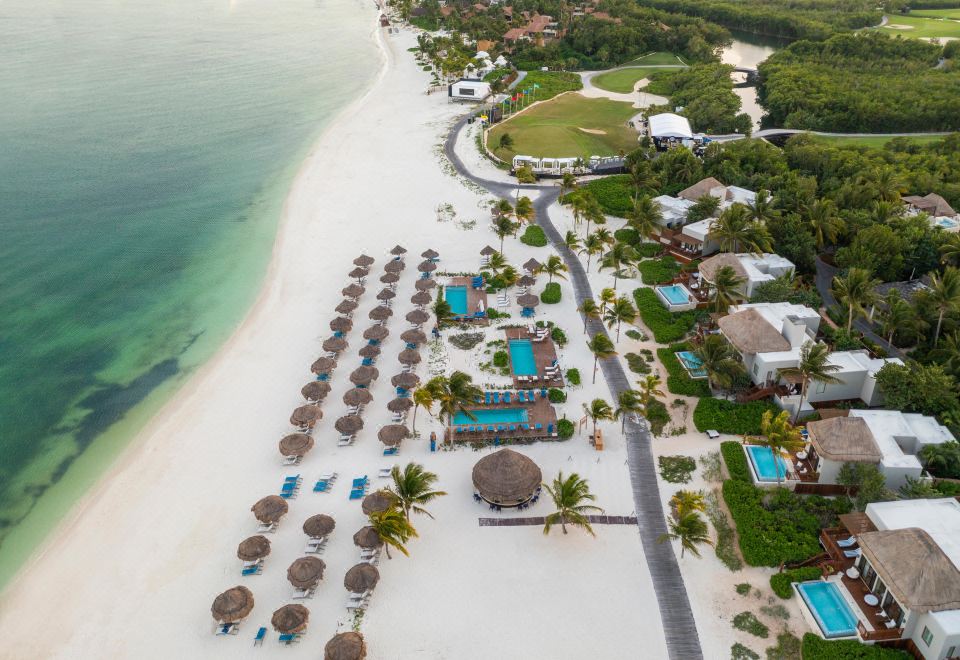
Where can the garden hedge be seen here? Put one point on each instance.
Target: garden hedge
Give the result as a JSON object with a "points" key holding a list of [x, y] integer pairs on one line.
{"points": [[534, 236], [658, 271], [551, 294], [678, 380], [614, 193], [780, 583], [736, 460], [816, 648], [564, 428], [665, 326], [731, 417]]}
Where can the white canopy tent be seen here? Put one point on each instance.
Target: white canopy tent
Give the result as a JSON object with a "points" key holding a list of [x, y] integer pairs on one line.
{"points": [[669, 125]]}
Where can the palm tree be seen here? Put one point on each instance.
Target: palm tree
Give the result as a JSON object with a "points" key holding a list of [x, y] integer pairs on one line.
{"points": [[813, 365], [646, 216], [900, 318], [735, 229], [856, 292], [649, 390], [497, 262], [780, 436], [604, 236], [598, 410], [882, 211], [620, 255], [690, 530], [606, 298], [884, 182], [763, 209], [726, 286], [824, 222], [945, 296], [621, 310], [948, 353], [393, 528], [591, 245], [950, 250], [602, 348], [719, 360], [503, 226], [567, 184], [422, 396], [524, 211], [413, 487], [641, 176], [502, 209], [570, 497], [453, 394], [688, 501], [579, 202], [509, 276], [590, 311], [572, 241], [594, 213], [554, 267], [441, 308], [628, 403]]}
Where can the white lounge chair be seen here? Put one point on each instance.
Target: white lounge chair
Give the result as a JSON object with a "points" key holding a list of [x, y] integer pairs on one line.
{"points": [[384, 473], [846, 543], [303, 593], [267, 528], [851, 554]]}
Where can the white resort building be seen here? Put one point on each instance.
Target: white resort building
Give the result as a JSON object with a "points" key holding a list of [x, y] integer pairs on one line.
{"points": [[753, 269], [936, 207]]}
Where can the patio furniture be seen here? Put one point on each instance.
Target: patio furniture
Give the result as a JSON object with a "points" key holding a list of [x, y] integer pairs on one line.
{"points": [[261, 635], [853, 573], [851, 554], [871, 600], [802, 455], [846, 543]]}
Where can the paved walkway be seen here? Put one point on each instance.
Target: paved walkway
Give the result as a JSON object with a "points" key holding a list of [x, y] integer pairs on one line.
{"points": [[679, 627], [540, 520]]}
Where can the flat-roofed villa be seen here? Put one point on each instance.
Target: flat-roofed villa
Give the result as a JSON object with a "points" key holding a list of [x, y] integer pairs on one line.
{"points": [[894, 578], [769, 337], [753, 269]]}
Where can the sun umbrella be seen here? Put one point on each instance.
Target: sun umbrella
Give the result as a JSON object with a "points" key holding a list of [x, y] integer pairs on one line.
{"points": [[342, 323], [319, 526], [417, 316], [352, 291], [409, 356], [528, 300], [364, 261], [406, 381], [527, 280], [380, 313], [357, 396], [487, 251], [367, 538], [531, 265], [323, 365], [386, 294], [378, 502], [425, 285], [358, 273], [421, 298], [389, 278], [361, 578], [270, 509], [346, 306], [307, 415], [335, 344], [305, 572], [363, 375], [232, 605], [290, 619], [427, 267], [345, 646], [398, 250], [370, 351], [430, 254], [392, 434], [296, 444], [413, 336], [377, 332], [400, 405], [349, 424], [315, 390], [394, 267], [253, 548]]}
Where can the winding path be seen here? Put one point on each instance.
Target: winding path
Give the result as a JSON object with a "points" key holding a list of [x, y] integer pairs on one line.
{"points": [[679, 627]]}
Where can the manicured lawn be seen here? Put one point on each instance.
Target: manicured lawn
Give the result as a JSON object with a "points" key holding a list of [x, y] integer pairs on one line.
{"points": [[556, 129], [622, 80], [936, 13], [658, 58], [551, 83], [877, 142], [922, 27]]}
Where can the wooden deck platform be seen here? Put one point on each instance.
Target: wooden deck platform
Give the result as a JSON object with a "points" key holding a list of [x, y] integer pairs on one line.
{"points": [[540, 412], [544, 355], [474, 298]]}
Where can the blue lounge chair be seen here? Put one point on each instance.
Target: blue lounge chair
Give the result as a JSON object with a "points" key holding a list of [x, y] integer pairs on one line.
{"points": [[538, 427], [360, 482], [549, 429], [261, 635], [373, 342], [525, 427], [490, 429], [501, 428], [225, 628], [846, 543], [287, 638], [356, 494], [367, 362], [526, 313], [411, 346], [288, 486], [459, 430], [496, 442], [543, 392], [513, 428], [851, 554], [391, 451], [252, 570], [506, 397], [323, 377], [338, 334], [321, 486], [488, 397], [521, 397], [292, 477], [496, 397]]}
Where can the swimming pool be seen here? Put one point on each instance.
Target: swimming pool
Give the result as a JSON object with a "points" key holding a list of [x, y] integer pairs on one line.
{"points": [[946, 223], [457, 297], [521, 357], [492, 416], [828, 607], [692, 364], [761, 459], [675, 294]]}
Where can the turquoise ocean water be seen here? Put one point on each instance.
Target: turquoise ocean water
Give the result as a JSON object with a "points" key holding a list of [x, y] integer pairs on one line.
{"points": [[145, 152]]}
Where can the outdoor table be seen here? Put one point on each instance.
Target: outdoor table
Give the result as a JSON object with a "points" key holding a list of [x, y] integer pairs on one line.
{"points": [[853, 573], [802, 455], [871, 600]]}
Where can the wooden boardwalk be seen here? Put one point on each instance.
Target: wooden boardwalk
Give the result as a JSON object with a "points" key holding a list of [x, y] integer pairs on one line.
{"points": [[540, 520]]}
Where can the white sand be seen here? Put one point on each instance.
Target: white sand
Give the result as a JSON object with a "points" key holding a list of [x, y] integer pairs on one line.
{"points": [[133, 572], [638, 98]]}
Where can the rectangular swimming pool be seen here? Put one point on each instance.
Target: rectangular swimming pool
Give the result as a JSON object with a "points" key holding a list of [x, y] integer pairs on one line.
{"points": [[492, 416], [692, 364], [828, 607], [761, 460], [676, 294], [521, 357], [457, 297]]}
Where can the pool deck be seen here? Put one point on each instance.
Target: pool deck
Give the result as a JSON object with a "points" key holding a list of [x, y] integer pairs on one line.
{"points": [[540, 412], [544, 354], [474, 297]]}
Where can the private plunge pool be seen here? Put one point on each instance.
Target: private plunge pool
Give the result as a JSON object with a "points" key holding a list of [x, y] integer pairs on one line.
{"points": [[692, 364], [456, 296], [762, 465], [828, 607], [676, 297], [521, 357]]}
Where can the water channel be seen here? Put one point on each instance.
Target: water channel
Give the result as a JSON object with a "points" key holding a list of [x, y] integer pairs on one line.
{"points": [[749, 50]]}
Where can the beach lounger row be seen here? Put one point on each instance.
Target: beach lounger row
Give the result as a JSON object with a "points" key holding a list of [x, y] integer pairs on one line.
{"points": [[503, 428], [290, 638], [228, 628], [522, 396], [325, 482], [291, 487], [316, 546], [252, 568], [358, 489]]}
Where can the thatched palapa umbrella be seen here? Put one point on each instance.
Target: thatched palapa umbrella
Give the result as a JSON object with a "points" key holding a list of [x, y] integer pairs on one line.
{"points": [[358, 396], [315, 390], [290, 619], [345, 646], [364, 375], [352, 291], [361, 578], [358, 273], [394, 267], [342, 323], [367, 538], [398, 250], [318, 526], [296, 444], [378, 502], [392, 434], [253, 548], [386, 294], [389, 278], [305, 572], [527, 280], [425, 285], [430, 254], [335, 344], [232, 605], [400, 404], [323, 365], [364, 261], [346, 306], [409, 356], [487, 251], [307, 415], [528, 300], [380, 313], [421, 298], [506, 477], [406, 381], [417, 316], [531, 265], [427, 267], [413, 336], [377, 332], [370, 351], [270, 509], [349, 424]]}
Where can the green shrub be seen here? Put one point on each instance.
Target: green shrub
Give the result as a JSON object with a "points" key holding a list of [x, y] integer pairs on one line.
{"points": [[534, 236], [736, 461], [648, 249], [740, 652], [564, 428], [676, 469], [466, 340], [658, 271], [743, 588], [558, 336], [615, 193], [627, 235], [725, 546], [556, 395], [551, 294], [500, 359], [731, 417], [658, 416], [816, 648], [665, 326], [780, 583], [637, 335], [637, 364], [787, 648], [573, 376], [678, 380], [748, 622]]}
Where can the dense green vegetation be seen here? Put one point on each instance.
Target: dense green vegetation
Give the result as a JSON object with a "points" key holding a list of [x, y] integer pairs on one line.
{"points": [[817, 648], [658, 271], [551, 294], [665, 326], [866, 83], [780, 583], [731, 417], [614, 193], [678, 380], [705, 91], [533, 235]]}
